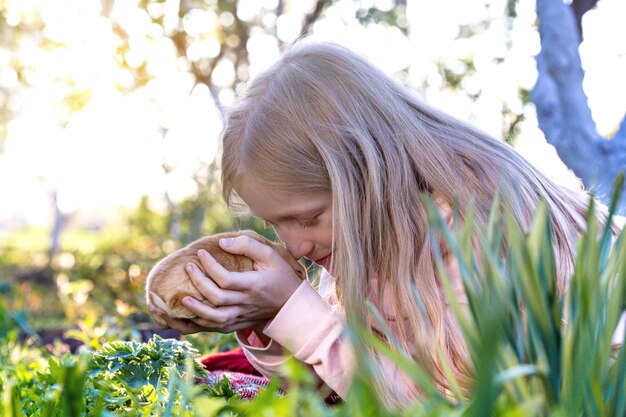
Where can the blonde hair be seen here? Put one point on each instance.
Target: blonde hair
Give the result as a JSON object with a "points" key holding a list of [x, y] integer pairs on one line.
{"points": [[324, 119]]}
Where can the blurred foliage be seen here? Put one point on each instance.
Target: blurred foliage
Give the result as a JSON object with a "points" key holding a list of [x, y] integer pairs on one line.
{"points": [[395, 16], [104, 274]]}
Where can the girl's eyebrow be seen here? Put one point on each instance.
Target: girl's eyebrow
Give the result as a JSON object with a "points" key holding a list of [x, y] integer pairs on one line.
{"points": [[316, 211]]}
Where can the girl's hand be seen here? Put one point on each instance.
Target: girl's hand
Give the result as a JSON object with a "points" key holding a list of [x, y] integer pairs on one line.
{"points": [[187, 326], [242, 299]]}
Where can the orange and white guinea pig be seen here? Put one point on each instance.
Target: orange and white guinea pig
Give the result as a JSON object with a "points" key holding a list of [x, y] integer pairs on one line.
{"points": [[168, 283]]}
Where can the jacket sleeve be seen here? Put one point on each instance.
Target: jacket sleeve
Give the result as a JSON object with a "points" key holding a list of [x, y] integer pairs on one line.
{"points": [[309, 329]]}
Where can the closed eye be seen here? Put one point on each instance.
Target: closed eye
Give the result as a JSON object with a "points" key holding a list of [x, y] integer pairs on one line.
{"points": [[310, 222]]}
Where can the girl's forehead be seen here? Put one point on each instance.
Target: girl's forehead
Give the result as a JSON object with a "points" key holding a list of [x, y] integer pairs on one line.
{"points": [[272, 204]]}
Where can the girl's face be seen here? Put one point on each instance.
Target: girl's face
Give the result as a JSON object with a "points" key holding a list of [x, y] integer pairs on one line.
{"points": [[303, 222]]}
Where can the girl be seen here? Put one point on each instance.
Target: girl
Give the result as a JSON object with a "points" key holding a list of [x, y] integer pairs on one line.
{"points": [[335, 155]]}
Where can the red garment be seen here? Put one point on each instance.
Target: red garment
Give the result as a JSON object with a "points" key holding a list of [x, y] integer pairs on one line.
{"points": [[244, 378], [233, 364], [233, 360]]}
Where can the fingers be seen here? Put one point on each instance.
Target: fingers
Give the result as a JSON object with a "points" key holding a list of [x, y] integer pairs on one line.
{"points": [[245, 245], [225, 319], [183, 326], [158, 316], [180, 325], [211, 316], [208, 286], [221, 322], [225, 280]]}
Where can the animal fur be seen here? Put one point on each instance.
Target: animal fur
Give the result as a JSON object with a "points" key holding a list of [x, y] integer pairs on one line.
{"points": [[168, 283]]}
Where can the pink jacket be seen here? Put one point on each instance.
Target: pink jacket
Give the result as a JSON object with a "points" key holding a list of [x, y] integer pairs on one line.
{"points": [[309, 325]]}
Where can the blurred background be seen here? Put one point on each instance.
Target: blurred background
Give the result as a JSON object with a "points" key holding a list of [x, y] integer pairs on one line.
{"points": [[110, 114]]}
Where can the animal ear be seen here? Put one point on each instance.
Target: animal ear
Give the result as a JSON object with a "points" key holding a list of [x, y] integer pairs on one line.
{"points": [[158, 301]]}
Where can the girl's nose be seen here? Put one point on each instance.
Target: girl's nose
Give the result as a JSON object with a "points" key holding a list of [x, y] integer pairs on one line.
{"points": [[296, 242]]}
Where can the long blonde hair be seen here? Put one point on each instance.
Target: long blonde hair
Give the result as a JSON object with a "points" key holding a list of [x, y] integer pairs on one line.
{"points": [[324, 119]]}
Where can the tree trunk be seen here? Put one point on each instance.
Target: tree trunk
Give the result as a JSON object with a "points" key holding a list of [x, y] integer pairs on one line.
{"points": [[58, 225], [562, 110]]}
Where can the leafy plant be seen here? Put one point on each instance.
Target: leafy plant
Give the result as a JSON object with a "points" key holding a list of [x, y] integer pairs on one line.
{"points": [[535, 352], [136, 375]]}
